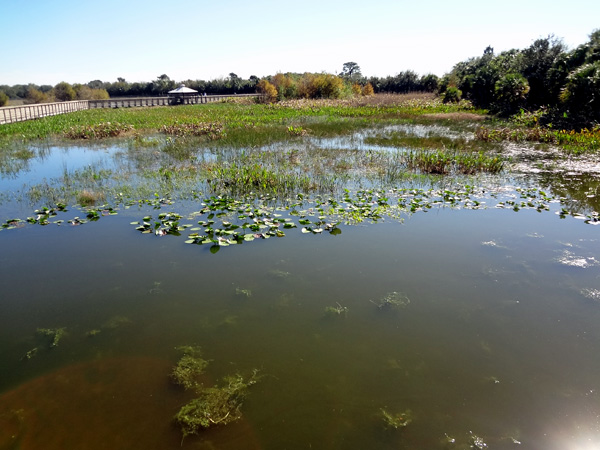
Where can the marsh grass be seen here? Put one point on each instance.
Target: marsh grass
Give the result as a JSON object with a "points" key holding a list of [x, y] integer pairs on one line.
{"points": [[89, 198], [575, 142], [444, 162], [87, 124]]}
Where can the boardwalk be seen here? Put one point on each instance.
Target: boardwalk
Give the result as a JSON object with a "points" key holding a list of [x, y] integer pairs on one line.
{"points": [[11, 114]]}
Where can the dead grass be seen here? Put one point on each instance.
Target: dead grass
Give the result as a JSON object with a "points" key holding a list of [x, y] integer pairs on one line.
{"points": [[456, 116], [371, 100]]}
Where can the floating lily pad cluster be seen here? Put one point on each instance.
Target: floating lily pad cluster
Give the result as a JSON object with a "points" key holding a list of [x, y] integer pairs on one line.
{"points": [[229, 221]]}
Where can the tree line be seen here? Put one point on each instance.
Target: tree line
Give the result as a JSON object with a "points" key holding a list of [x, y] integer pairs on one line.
{"points": [[561, 86]]}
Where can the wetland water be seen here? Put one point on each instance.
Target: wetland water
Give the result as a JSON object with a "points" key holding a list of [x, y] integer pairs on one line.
{"points": [[494, 344]]}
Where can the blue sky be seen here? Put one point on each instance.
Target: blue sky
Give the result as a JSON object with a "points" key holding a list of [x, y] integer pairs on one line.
{"points": [[45, 42]]}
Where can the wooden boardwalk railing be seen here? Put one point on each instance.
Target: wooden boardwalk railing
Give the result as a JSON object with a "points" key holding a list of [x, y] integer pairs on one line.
{"points": [[11, 114]]}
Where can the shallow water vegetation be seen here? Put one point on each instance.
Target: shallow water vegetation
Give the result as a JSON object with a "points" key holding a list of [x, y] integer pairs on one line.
{"points": [[392, 301], [215, 405], [337, 310], [443, 162], [190, 366], [396, 420], [54, 334]]}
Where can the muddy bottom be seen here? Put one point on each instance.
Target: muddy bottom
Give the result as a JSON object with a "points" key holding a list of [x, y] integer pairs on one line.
{"points": [[107, 404]]}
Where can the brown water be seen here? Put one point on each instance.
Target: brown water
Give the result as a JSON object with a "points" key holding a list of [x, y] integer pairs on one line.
{"points": [[498, 345]]}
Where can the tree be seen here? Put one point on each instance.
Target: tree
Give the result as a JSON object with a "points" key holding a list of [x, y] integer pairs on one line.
{"points": [[163, 84], [537, 63], [3, 99], [511, 91], [268, 90], [351, 71], [64, 92], [581, 95], [97, 84], [429, 83], [235, 82]]}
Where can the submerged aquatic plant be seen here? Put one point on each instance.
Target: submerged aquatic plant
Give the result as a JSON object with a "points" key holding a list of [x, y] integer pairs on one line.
{"points": [[336, 310], [55, 334], [215, 405], [189, 367], [396, 420], [392, 300]]}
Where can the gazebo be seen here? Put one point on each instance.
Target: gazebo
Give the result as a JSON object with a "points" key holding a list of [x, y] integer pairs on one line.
{"points": [[183, 95]]}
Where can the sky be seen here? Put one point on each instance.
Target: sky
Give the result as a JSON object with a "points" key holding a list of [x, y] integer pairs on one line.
{"points": [[46, 42]]}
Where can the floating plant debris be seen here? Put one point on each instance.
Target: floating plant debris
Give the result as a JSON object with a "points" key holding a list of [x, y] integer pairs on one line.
{"points": [[393, 300], [243, 292], [396, 420], [336, 310], [54, 334]]}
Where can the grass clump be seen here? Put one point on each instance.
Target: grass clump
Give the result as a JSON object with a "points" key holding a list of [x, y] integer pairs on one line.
{"points": [[213, 130], [88, 197], [572, 141], [189, 368], [442, 162], [98, 131]]}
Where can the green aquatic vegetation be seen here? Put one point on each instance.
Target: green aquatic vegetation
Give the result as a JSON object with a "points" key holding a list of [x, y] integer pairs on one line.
{"points": [[218, 405], [243, 292], [281, 274], [338, 310], [93, 332], [11, 224], [54, 334], [98, 131], [31, 353], [392, 300], [212, 130], [116, 322], [190, 366], [443, 162], [396, 420]]}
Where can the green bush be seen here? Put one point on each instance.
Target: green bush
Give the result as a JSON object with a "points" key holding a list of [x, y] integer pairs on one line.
{"points": [[511, 92], [452, 95], [64, 92], [3, 99]]}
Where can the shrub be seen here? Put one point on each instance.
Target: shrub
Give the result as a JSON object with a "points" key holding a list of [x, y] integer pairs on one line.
{"points": [[356, 89], [3, 99], [510, 91], [452, 95], [36, 96], [268, 90], [100, 94], [285, 85], [64, 92], [367, 90], [323, 85]]}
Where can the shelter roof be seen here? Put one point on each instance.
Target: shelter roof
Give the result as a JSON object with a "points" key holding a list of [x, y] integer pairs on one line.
{"points": [[182, 89]]}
